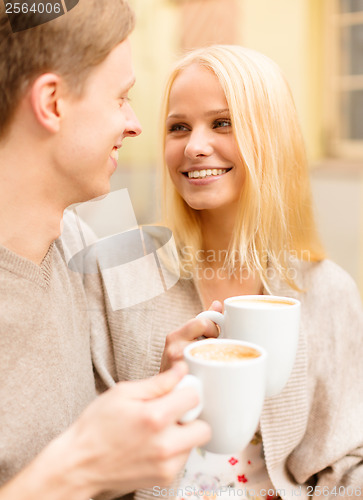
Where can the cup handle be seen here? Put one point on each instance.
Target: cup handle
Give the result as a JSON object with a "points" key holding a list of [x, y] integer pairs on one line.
{"points": [[216, 317], [191, 381]]}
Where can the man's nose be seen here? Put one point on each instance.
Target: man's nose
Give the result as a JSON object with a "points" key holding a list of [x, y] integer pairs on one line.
{"points": [[133, 127]]}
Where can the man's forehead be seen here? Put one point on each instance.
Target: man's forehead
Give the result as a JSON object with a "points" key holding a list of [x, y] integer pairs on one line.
{"points": [[116, 67]]}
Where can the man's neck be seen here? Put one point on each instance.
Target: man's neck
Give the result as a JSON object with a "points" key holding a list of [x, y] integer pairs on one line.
{"points": [[29, 229], [30, 219]]}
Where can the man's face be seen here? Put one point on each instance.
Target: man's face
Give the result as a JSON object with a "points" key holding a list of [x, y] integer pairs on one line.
{"points": [[93, 127]]}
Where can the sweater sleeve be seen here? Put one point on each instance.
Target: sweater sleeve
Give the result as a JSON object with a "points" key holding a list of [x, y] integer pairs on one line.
{"points": [[343, 478], [83, 260], [331, 454]]}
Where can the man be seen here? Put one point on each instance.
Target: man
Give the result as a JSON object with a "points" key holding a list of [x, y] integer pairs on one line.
{"points": [[64, 113]]}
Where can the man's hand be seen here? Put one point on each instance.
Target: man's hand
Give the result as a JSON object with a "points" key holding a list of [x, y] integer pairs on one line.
{"points": [[176, 341], [127, 439]]}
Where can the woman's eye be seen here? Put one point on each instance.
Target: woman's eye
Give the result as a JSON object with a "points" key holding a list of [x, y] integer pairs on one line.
{"points": [[178, 127], [222, 123]]}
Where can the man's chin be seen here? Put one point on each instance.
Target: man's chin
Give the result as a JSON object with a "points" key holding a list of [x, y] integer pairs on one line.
{"points": [[94, 195], [101, 193]]}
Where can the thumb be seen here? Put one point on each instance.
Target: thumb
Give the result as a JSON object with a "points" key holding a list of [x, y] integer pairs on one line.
{"points": [[216, 306], [156, 386]]}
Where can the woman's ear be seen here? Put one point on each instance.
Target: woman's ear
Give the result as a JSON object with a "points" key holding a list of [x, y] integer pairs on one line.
{"points": [[44, 97]]}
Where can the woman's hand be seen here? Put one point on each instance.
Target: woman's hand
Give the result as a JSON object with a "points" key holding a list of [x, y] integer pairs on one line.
{"points": [[176, 341]]}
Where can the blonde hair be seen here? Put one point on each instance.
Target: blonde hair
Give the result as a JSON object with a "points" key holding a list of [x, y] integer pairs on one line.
{"points": [[275, 219], [71, 46]]}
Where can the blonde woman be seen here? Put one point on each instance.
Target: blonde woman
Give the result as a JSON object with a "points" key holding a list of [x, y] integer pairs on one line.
{"points": [[238, 201], [237, 198]]}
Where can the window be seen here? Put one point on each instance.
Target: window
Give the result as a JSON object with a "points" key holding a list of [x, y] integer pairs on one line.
{"points": [[345, 70]]}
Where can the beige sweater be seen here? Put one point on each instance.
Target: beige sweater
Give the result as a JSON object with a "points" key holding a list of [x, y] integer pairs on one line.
{"points": [[313, 431], [46, 351], [46, 374]]}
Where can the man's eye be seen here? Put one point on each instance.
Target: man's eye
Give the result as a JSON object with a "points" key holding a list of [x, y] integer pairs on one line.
{"points": [[123, 100], [222, 123], [178, 127]]}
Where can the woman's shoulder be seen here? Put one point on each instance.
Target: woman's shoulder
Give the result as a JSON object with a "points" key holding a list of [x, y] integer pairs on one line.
{"points": [[325, 273], [328, 295], [323, 280], [327, 280], [331, 302]]}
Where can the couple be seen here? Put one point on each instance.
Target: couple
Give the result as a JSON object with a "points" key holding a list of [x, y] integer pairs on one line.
{"points": [[235, 179]]}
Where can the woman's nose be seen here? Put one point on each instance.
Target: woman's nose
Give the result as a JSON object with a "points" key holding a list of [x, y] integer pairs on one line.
{"points": [[199, 145]]}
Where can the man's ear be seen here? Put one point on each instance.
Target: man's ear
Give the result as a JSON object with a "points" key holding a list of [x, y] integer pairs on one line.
{"points": [[44, 97]]}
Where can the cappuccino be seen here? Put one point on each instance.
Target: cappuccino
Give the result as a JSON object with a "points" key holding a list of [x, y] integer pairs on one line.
{"points": [[267, 303], [267, 321], [224, 352]]}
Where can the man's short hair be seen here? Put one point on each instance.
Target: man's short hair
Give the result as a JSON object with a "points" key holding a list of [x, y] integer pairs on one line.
{"points": [[71, 46]]}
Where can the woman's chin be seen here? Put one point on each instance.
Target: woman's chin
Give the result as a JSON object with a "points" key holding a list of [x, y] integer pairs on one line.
{"points": [[203, 202], [219, 206], [198, 205]]}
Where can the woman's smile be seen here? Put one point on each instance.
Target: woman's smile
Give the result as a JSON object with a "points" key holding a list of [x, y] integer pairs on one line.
{"points": [[201, 152], [206, 173]]}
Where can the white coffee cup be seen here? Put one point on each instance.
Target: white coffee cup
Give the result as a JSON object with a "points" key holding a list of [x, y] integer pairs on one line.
{"points": [[232, 393], [269, 321]]}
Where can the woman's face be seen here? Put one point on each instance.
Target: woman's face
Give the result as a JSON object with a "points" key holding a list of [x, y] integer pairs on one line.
{"points": [[200, 150]]}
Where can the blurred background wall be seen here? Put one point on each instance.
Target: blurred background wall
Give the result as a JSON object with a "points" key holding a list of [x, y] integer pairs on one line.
{"points": [[318, 44]]}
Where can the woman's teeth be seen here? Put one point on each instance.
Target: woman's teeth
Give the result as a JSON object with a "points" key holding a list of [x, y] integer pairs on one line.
{"points": [[198, 174], [114, 154]]}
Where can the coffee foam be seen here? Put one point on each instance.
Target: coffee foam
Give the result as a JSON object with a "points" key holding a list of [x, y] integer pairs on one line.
{"points": [[266, 303], [224, 352]]}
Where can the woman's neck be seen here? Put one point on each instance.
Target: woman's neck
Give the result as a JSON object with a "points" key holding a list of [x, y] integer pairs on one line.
{"points": [[213, 279], [217, 231]]}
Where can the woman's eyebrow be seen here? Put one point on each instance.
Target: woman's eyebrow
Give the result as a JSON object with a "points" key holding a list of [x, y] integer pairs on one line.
{"points": [[208, 113], [176, 115], [217, 111]]}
